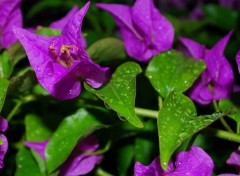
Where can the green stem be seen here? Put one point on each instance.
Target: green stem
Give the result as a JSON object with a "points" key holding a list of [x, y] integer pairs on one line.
{"points": [[146, 112], [14, 110], [222, 134], [101, 151], [222, 120], [238, 128]]}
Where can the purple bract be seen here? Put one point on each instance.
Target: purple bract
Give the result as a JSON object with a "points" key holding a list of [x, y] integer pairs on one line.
{"points": [[60, 62], [144, 30], [194, 162], [10, 14], [217, 81]]}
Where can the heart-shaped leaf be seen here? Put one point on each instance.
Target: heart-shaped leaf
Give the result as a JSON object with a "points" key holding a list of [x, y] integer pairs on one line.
{"points": [[178, 121], [67, 135], [172, 71], [119, 94]]}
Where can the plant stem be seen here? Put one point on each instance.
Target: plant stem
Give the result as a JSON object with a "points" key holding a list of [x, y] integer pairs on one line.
{"points": [[14, 110], [222, 134], [222, 120], [146, 112]]}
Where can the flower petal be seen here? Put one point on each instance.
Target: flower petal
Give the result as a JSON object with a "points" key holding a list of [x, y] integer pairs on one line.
{"points": [[215, 57], [3, 124], [72, 30], [158, 32], [194, 162], [10, 14], [197, 50], [154, 169], [3, 149], [38, 147]]}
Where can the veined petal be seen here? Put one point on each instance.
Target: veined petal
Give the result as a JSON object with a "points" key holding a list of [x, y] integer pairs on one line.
{"points": [[72, 30], [10, 14], [158, 32], [215, 56], [197, 50]]}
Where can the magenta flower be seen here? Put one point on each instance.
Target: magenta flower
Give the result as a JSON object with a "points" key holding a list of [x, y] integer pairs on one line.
{"points": [[194, 162], [79, 162], [216, 82], [4, 145], [10, 14], [234, 159], [60, 62], [144, 30]]}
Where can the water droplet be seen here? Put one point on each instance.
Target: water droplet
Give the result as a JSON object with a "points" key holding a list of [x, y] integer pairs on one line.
{"points": [[70, 92]]}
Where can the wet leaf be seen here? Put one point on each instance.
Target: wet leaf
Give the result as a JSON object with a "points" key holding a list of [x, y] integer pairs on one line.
{"points": [[178, 121], [119, 94], [26, 164], [67, 135], [3, 91], [107, 49], [172, 71]]}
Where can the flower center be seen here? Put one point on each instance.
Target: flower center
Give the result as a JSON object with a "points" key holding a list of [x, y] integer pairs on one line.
{"points": [[66, 56]]}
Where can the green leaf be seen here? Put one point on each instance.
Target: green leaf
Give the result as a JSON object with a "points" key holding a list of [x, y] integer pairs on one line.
{"points": [[178, 121], [228, 105], [221, 16], [37, 131], [5, 65], [26, 165], [107, 49], [69, 132], [3, 91], [119, 93], [48, 31], [172, 71], [22, 85], [124, 158]]}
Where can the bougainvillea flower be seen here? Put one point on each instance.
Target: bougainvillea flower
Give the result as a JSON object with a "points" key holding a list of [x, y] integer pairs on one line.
{"points": [[4, 141], [194, 162], [10, 14], [216, 82], [144, 30], [60, 62], [79, 162], [234, 159]]}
